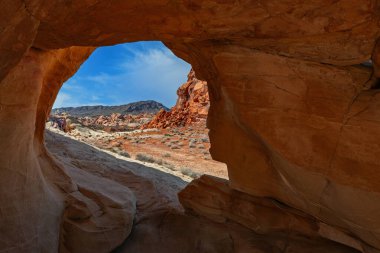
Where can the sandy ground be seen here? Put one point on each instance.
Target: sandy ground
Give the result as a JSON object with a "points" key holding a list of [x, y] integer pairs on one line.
{"points": [[182, 150], [59, 144]]}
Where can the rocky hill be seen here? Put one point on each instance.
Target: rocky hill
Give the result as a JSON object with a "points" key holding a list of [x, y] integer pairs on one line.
{"points": [[116, 121], [140, 107], [192, 105]]}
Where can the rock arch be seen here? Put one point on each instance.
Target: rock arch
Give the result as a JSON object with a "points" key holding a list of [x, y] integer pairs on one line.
{"points": [[292, 113]]}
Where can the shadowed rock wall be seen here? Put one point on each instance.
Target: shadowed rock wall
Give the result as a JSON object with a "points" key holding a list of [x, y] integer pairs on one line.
{"points": [[292, 113]]}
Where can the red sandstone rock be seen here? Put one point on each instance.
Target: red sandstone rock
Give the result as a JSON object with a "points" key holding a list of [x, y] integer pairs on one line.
{"points": [[292, 113], [212, 197], [192, 105], [80, 213], [116, 121], [160, 225]]}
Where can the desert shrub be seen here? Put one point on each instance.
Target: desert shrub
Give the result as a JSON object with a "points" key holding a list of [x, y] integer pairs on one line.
{"points": [[190, 173], [201, 146], [149, 159], [166, 155], [169, 166], [124, 153], [115, 149], [158, 161], [144, 158], [193, 142]]}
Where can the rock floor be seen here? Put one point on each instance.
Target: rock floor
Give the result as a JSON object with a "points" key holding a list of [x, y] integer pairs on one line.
{"points": [[160, 224]]}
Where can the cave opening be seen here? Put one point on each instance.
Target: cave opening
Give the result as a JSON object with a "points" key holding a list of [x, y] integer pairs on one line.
{"points": [[281, 82], [141, 103]]}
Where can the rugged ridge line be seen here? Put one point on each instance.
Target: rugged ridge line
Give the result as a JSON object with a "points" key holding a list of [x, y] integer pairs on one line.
{"points": [[139, 107]]}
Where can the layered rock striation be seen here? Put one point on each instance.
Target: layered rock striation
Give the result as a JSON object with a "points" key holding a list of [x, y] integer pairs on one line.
{"points": [[212, 197], [293, 113], [192, 106]]}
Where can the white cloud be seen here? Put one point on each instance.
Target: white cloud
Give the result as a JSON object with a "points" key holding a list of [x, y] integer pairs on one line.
{"points": [[152, 58], [95, 98], [102, 78], [141, 74], [153, 74], [62, 100]]}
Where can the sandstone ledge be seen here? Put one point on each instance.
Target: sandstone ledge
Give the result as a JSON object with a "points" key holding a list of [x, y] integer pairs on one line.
{"points": [[212, 197]]}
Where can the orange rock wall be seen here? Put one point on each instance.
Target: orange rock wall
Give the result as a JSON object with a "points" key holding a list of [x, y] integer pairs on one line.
{"points": [[29, 182], [192, 105], [291, 112]]}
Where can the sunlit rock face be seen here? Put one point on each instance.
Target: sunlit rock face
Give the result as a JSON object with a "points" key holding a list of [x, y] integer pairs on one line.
{"points": [[292, 113], [191, 107]]}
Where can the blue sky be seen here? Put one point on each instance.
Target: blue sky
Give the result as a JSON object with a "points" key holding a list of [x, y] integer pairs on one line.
{"points": [[125, 73]]}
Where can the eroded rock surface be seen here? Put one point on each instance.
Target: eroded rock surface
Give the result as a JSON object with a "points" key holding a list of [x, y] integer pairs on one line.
{"points": [[192, 106], [160, 224], [292, 113], [115, 122], [212, 197]]}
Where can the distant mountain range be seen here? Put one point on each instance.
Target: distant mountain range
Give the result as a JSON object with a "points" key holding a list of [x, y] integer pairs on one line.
{"points": [[149, 106]]}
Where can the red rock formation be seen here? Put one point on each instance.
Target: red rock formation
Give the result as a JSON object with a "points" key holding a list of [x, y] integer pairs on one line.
{"points": [[192, 105], [292, 113], [116, 121], [212, 197]]}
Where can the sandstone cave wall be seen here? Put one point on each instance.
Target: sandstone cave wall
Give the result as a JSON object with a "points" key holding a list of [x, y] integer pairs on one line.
{"points": [[293, 114]]}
